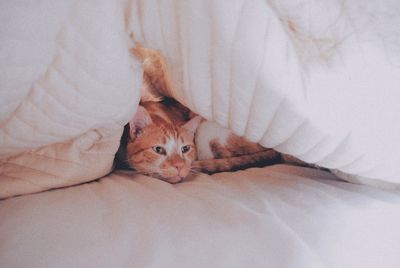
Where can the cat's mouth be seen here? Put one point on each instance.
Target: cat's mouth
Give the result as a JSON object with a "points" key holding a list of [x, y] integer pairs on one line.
{"points": [[173, 180], [175, 177], [167, 175]]}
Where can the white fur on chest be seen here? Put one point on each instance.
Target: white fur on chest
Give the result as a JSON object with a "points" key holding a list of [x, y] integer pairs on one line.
{"points": [[206, 132]]}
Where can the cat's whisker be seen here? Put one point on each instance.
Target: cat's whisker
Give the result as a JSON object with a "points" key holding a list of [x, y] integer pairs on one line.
{"points": [[194, 171]]}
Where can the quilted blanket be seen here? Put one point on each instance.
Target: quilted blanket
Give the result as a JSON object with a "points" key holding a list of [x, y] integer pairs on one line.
{"points": [[316, 79]]}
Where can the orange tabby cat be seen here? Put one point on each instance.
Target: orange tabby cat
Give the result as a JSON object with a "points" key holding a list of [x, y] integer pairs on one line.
{"points": [[161, 141]]}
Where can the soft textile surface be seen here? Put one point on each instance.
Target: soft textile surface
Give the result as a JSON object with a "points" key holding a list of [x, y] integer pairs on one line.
{"points": [[68, 86], [87, 157], [315, 79], [272, 217]]}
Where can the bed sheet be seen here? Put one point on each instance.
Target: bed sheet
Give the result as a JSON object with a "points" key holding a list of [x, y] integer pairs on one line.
{"points": [[278, 216]]}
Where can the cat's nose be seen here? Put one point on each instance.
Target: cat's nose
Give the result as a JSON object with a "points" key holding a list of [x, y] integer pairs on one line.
{"points": [[179, 165]]}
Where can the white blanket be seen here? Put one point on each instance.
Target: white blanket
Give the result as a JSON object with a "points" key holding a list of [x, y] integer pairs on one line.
{"points": [[315, 79], [277, 216]]}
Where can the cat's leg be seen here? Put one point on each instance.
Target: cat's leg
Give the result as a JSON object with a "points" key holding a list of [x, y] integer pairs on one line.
{"points": [[241, 146], [218, 150]]}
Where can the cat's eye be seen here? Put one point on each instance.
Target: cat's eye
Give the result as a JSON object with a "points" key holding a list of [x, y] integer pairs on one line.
{"points": [[158, 149], [185, 148]]}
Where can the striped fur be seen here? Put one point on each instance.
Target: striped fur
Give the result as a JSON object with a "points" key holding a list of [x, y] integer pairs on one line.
{"points": [[258, 159], [160, 141], [220, 151]]}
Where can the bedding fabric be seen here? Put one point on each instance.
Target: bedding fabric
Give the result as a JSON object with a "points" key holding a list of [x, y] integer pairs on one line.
{"points": [[315, 79], [278, 216]]}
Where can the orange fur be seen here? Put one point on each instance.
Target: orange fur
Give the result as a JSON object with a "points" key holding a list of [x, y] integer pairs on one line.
{"points": [[156, 79], [235, 146], [169, 130], [258, 159], [167, 119]]}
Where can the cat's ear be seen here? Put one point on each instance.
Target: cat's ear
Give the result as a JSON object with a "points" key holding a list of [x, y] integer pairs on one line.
{"points": [[141, 120], [192, 124]]}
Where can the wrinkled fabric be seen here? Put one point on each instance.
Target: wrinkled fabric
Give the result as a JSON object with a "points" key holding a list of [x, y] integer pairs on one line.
{"points": [[315, 79], [277, 216]]}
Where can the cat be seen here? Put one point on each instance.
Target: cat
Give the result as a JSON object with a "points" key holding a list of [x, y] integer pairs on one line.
{"points": [[159, 141]]}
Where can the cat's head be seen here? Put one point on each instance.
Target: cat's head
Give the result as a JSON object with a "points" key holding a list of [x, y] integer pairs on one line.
{"points": [[163, 151]]}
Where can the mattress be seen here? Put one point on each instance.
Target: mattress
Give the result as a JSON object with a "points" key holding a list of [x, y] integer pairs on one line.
{"points": [[278, 216]]}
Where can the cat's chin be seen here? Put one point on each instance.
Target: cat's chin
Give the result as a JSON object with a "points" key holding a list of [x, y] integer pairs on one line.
{"points": [[173, 180]]}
